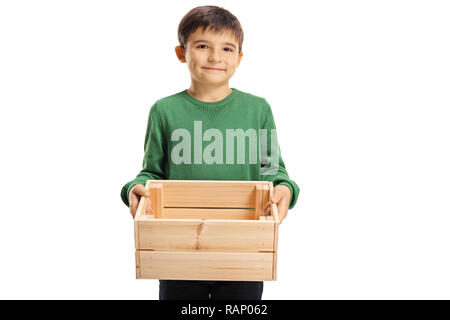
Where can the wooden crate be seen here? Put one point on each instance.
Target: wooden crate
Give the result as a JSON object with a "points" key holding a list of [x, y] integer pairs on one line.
{"points": [[207, 230]]}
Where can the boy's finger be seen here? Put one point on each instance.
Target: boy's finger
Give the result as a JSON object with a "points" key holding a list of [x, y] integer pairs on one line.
{"points": [[279, 193], [133, 208], [140, 190], [283, 210], [267, 209], [276, 197], [132, 199]]}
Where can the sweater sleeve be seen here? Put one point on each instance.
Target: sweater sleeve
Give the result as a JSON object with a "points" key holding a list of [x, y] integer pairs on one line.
{"points": [[154, 154], [272, 165]]}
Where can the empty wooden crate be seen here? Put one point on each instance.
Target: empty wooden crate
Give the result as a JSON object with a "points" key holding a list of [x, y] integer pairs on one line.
{"points": [[207, 230]]}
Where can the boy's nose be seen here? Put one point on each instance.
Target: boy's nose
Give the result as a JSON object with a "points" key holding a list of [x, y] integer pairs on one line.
{"points": [[214, 56]]}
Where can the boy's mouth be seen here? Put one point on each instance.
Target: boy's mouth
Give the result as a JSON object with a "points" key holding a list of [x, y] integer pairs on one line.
{"points": [[217, 69]]}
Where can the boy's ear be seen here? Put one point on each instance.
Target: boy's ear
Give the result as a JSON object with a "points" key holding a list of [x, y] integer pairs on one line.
{"points": [[239, 58], [180, 53]]}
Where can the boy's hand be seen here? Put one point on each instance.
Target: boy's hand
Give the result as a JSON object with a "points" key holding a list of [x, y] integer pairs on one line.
{"points": [[281, 196], [134, 197]]}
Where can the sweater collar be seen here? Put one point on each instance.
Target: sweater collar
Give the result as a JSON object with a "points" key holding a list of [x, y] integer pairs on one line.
{"points": [[219, 103]]}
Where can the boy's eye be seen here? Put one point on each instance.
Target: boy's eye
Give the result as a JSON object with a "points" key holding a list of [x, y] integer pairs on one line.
{"points": [[204, 46]]}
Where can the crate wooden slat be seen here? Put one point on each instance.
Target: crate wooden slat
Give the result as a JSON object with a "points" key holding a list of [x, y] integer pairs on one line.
{"points": [[205, 266], [207, 235], [197, 193], [207, 213], [207, 230]]}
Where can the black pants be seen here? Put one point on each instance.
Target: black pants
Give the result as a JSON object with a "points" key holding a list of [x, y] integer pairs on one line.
{"points": [[210, 290]]}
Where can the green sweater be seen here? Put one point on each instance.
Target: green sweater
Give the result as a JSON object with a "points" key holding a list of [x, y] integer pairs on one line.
{"points": [[189, 139]]}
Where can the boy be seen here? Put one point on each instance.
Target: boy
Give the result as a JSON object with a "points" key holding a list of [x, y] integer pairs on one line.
{"points": [[211, 45]]}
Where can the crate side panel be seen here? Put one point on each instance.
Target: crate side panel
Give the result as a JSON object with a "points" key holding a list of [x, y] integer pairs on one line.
{"points": [[206, 266], [206, 235], [189, 213], [138, 265], [225, 195]]}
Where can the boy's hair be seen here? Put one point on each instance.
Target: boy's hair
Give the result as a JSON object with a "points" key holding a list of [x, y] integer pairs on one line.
{"points": [[214, 17]]}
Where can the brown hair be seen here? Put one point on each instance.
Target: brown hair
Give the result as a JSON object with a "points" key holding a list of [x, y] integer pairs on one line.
{"points": [[214, 17]]}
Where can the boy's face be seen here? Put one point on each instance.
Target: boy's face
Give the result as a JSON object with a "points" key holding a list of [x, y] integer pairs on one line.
{"points": [[211, 57]]}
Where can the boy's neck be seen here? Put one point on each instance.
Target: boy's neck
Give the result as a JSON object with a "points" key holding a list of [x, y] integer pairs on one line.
{"points": [[211, 93]]}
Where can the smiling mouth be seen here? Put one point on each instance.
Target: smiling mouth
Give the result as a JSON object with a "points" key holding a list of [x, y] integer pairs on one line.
{"points": [[216, 69]]}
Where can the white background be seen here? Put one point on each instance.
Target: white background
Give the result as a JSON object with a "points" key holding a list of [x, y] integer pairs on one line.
{"points": [[360, 95]]}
